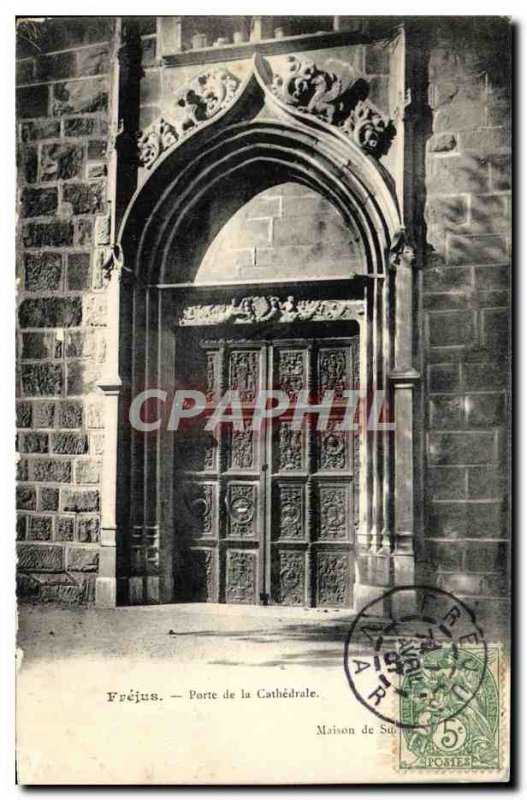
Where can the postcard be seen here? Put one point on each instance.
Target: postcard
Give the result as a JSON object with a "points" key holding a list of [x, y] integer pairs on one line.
{"points": [[263, 400]]}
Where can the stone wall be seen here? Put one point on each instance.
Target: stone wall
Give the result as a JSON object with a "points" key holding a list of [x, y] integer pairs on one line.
{"points": [[285, 232], [467, 281], [62, 127]]}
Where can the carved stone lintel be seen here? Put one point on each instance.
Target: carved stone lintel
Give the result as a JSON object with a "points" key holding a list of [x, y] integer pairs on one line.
{"points": [[262, 309], [204, 97]]}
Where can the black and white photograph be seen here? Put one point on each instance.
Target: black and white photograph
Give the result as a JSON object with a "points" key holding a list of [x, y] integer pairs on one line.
{"points": [[263, 398]]}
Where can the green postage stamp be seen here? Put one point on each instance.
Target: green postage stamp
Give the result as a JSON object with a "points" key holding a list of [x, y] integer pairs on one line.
{"points": [[454, 735]]}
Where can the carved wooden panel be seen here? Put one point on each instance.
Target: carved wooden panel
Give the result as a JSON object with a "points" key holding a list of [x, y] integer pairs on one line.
{"points": [[242, 510], [290, 372], [333, 371], [212, 375], [333, 448], [289, 447], [288, 576], [244, 373], [200, 509], [241, 577], [333, 512], [242, 449], [289, 508], [333, 578]]}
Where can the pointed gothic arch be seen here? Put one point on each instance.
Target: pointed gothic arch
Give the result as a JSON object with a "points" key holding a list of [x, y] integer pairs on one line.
{"points": [[252, 140]]}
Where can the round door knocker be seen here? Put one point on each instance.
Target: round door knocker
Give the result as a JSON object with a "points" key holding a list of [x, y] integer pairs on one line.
{"points": [[241, 510]]}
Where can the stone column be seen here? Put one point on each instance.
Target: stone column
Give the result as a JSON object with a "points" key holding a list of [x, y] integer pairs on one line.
{"points": [[403, 379]]}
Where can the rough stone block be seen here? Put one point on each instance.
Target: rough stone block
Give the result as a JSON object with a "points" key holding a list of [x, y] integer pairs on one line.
{"points": [[94, 309], [460, 116], [48, 234], [22, 470], [69, 443], [26, 498], [462, 448], [93, 60], [23, 415], [21, 522], [461, 520], [443, 378], [458, 173], [79, 271], [442, 143], [496, 329], [83, 559], [447, 212], [490, 213], [40, 558], [49, 499], [486, 410], [97, 149], [34, 443], [490, 557], [25, 71], [80, 500], [481, 249], [39, 129], [88, 471], [486, 483], [488, 140], [81, 378], [451, 328], [83, 232], [43, 415], [486, 376], [80, 126], [65, 529], [40, 528], [445, 556], [446, 412], [88, 529], [40, 345], [32, 101], [50, 470], [79, 97], [50, 312], [61, 162], [43, 272], [27, 163], [42, 380], [86, 344], [56, 66], [84, 198], [447, 483], [500, 172], [70, 413]]}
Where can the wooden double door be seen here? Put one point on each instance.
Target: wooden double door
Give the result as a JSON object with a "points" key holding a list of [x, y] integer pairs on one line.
{"points": [[269, 515]]}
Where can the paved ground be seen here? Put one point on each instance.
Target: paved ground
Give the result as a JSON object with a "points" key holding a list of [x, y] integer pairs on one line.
{"points": [[214, 634]]}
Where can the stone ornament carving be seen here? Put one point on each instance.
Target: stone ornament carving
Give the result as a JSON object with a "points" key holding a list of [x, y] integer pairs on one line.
{"points": [[289, 578], [402, 253], [204, 97], [337, 97], [265, 309]]}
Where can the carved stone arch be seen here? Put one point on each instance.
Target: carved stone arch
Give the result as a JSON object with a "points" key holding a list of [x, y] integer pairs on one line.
{"points": [[255, 129]]}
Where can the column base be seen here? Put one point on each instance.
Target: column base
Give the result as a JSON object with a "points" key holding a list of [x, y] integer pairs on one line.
{"points": [[106, 592]]}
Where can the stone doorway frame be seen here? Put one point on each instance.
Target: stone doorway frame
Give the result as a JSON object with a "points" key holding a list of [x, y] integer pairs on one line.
{"points": [[255, 128]]}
